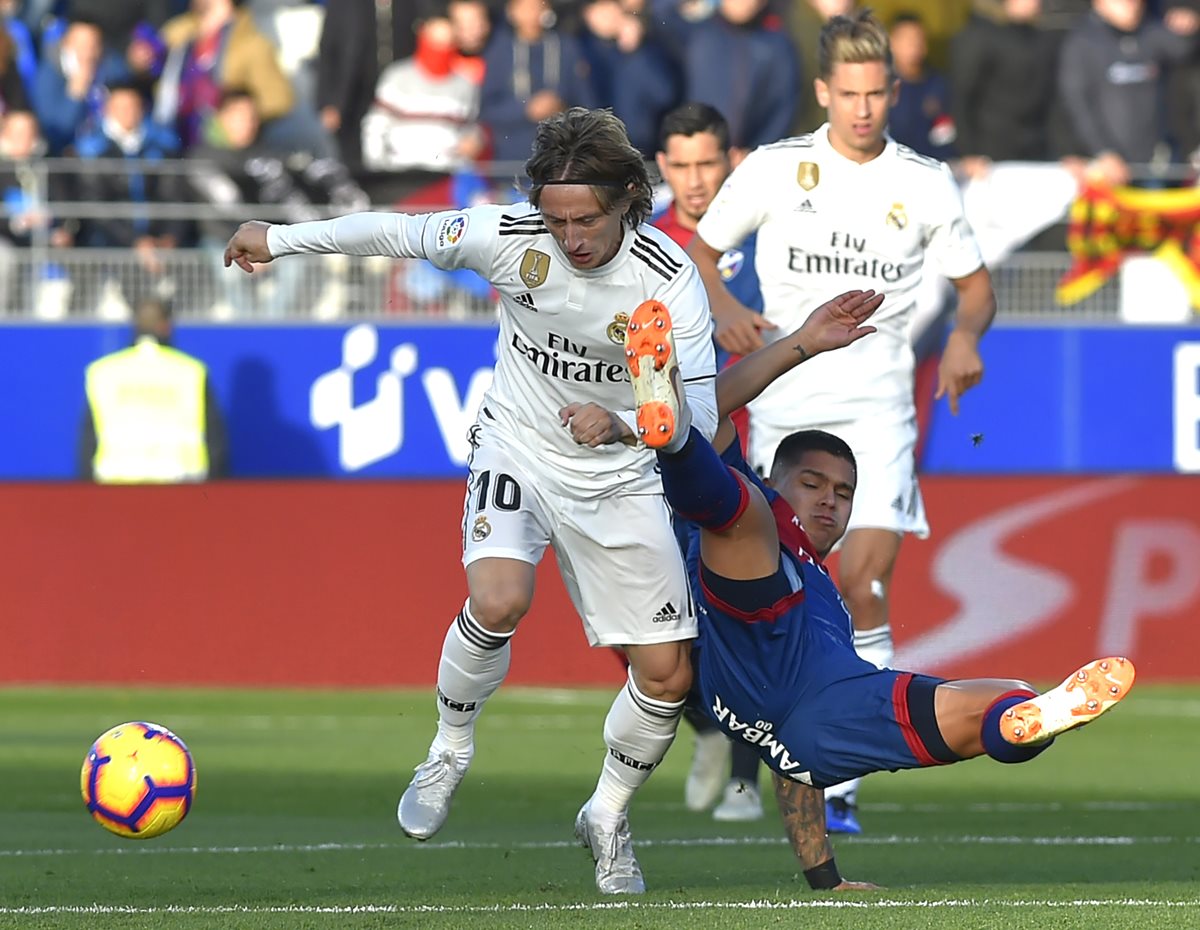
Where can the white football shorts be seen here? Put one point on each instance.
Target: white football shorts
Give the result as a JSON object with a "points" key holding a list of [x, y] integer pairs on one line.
{"points": [[887, 496], [617, 554]]}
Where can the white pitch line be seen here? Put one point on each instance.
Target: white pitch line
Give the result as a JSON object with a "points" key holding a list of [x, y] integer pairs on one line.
{"points": [[757, 905], [701, 841], [980, 807], [1018, 807]]}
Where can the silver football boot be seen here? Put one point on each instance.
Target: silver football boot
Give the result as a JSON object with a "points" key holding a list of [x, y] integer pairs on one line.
{"points": [[617, 870], [425, 804]]}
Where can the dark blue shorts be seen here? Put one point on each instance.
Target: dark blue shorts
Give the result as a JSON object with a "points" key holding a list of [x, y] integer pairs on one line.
{"points": [[852, 719], [786, 680], [883, 721]]}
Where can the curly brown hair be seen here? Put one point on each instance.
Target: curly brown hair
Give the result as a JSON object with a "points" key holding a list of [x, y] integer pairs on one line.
{"points": [[591, 147]]}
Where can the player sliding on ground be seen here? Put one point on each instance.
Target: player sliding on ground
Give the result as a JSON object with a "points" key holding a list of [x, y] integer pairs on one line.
{"points": [[774, 664]]}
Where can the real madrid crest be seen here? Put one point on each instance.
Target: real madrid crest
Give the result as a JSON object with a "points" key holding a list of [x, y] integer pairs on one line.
{"points": [[482, 529], [808, 175], [896, 217], [616, 329], [535, 266]]}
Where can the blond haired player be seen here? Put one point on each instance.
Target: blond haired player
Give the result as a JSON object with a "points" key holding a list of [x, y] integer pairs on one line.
{"points": [[846, 207]]}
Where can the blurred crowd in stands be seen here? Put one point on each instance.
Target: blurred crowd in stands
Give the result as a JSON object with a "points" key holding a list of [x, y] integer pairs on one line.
{"points": [[319, 107]]}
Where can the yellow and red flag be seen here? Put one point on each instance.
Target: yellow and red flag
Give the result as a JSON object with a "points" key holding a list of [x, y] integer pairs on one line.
{"points": [[1106, 224]]}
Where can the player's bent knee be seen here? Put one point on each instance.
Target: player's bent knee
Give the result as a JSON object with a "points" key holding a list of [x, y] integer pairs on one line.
{"points": [[671, 690], [501, 591], [662, 671], [499, 608], [864, 589]]}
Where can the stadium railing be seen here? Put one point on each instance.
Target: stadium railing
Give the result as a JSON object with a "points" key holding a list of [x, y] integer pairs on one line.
{"points": [[41, 282], [90, 284]]}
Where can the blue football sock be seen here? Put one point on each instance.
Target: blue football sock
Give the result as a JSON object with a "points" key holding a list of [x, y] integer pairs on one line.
{"points": [[996, 745], [699, 486]]}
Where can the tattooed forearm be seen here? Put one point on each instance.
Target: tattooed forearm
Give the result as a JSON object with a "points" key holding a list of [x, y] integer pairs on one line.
{"points": [[803, 811]]}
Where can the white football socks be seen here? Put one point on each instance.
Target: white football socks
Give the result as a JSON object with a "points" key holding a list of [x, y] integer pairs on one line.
{"points": [[638, 731], [847, 791], [875, 645], [473, 664]]}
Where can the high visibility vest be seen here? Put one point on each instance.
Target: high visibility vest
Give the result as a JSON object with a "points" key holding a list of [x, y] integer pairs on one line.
{"points": [[147, 404]]}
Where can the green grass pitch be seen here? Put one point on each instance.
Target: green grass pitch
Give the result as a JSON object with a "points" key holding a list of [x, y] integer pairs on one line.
{"points": [[294, 825]]}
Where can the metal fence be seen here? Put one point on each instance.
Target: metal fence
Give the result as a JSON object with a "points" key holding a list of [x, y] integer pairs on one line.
{"points": [[1025, 286], [86, 284], [79, 284], [41, 282], [40, 279]]}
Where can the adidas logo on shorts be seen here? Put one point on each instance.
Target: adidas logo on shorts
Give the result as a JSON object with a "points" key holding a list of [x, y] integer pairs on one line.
{"points": [[666, 614]]}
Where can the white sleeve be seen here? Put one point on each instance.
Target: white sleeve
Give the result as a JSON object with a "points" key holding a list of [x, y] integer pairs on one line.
{"points": [[451, 239], [737, 210], [949, 240], [692, 326]]}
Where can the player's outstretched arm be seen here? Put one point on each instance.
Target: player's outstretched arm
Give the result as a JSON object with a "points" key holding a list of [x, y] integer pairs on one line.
{"points": [[833, 325], [802, 808], [394, 235]]}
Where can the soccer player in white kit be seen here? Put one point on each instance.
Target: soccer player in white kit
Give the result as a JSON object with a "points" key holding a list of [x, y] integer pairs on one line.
{"points": [[847, 207], [557, 460]]}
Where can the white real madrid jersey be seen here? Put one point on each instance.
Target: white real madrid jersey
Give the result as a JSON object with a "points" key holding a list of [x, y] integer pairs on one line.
{"points": [[562, 329], [825, 225]]}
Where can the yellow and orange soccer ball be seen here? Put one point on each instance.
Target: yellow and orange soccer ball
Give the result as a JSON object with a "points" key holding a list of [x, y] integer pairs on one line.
{"points": [[138, 780]]}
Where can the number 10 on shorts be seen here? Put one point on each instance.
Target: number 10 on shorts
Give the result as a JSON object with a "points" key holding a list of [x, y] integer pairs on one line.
{"points": [[495, 491]]}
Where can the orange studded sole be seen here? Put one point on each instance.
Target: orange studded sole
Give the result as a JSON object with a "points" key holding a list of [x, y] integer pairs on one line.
{"points": [[656, 424], [1090, 692], [648, 334], [650, 355]]}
